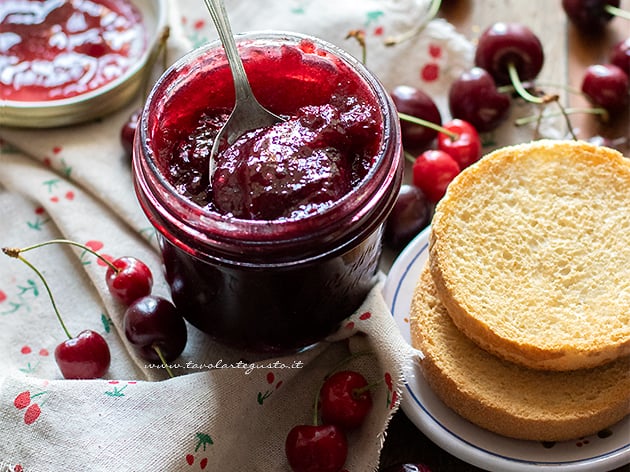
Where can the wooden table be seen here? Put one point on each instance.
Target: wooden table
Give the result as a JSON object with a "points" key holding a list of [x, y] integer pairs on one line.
{"points": [[567, 54]]}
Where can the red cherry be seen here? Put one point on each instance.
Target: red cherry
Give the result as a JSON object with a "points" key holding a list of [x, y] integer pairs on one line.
{"points": [[433, 170], [32, 413], [509, 43], [620, 55], [85, 356], [589, 15], [344, 400], [415, 102], [606, 85], [128, 131], [322, 448], [466, 149], [410, 214], [131, 281], [473, 97], [22, 400], [152, 322]]}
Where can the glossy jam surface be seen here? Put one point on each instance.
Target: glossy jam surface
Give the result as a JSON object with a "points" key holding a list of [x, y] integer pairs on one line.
{"points": [[294, 168], [55, 49]]}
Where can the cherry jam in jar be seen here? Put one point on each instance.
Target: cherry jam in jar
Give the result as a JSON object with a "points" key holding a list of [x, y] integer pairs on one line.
{"points": [[286, 241]]}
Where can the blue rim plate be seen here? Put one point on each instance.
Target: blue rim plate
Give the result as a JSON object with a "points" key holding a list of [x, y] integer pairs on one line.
{"points": [[470, 443]]}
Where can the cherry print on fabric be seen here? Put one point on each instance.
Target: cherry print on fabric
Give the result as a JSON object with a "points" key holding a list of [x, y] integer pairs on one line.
{"points": [[271, 378], [32, 364], [57, 162], [28, 402], [117, 390], [392, 395], [20, 300], [203, 440], [40, 219], [430, 72]]}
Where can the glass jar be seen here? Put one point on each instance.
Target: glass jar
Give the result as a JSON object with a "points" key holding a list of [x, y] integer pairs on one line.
{"points": [[267, 286]]}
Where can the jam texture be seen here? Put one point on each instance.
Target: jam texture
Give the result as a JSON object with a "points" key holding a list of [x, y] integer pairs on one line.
{"points": [[55, 49], [289, 170]]}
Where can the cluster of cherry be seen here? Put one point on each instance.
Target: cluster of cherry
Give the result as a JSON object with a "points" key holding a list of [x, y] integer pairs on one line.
{"points": [[508, 58], [152, 324]]}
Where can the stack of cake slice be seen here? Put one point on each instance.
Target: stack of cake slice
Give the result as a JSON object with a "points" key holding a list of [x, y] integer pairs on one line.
{"points": [[523, 310]]}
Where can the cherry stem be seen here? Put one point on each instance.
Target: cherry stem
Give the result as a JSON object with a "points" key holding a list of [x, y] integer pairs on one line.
{"points": [[346, 360], [12, 253], [157, 349], [410, 157], [569, 111], [428, 124], [615, 11], [522, 91], [361, 390], [159, 50], [359, 35], [434, 7], [16, 252]]}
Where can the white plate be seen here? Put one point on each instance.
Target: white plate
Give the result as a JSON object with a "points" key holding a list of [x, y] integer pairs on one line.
{"points": [[470, 443]]}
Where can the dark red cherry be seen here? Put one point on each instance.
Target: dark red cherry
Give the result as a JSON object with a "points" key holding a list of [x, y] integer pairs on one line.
{"points": [[620, 55], [590, 16], [415, 102], [509, 43], [128, 131], [433, 171], [345, 400], [322, 448], [466, 147], [410, 215], [131, 280], [606, 85], [85, 356], [152, 322], [473, 97]]}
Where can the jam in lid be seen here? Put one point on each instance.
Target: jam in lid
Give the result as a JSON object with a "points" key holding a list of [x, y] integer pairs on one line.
{"points": [[55, 49]]}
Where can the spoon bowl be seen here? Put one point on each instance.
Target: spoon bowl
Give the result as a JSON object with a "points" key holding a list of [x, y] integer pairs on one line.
{"points": [[248, 113]]}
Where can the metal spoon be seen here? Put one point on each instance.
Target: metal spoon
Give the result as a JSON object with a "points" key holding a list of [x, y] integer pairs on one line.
{"points": [[247, 114]]}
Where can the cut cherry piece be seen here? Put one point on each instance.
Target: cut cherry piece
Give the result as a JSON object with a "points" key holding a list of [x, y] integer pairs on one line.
{"points": [[433, 171], [505, 45], [620, 55], [85, 356], [411, 213], [606, 85], [131, 279], [465, 147], [155, 328], [590, 16], [473, 97], [345, 399], [322, 448], [415, 102]]}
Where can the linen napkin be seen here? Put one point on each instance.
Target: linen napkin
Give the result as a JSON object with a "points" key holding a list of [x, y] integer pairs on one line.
{"points": [[223, 410]]}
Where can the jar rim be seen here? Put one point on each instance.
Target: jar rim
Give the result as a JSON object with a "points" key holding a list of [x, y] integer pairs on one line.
{"points": [[358, 205]]}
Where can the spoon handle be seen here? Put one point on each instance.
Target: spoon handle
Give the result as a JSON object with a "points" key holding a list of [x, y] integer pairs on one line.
{"points": [[219, 17]]}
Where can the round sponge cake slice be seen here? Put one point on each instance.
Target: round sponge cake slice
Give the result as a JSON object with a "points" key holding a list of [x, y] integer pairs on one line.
{"points": [[507, 398], [530, 253]]}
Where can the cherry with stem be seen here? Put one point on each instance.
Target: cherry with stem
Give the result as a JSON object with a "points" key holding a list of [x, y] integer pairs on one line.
{"points": [[85, 356], [127, 278]]}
